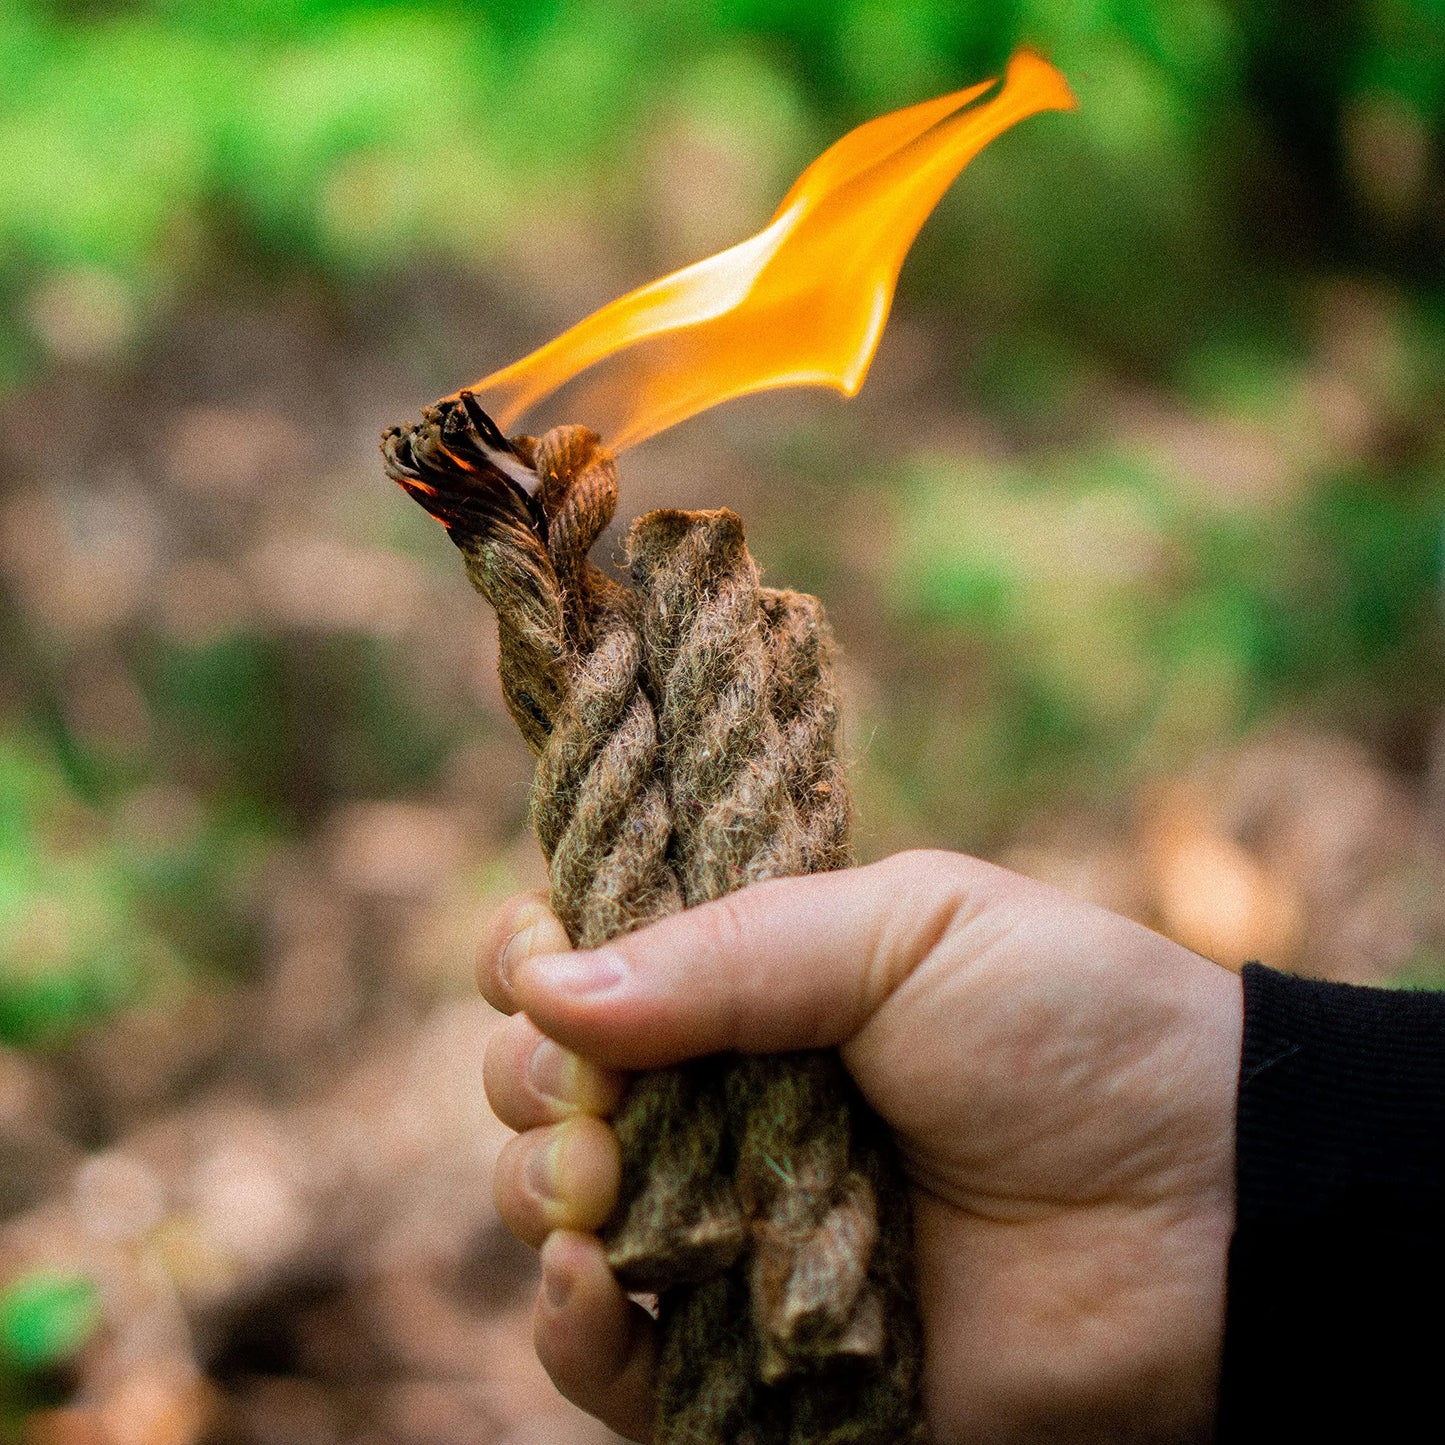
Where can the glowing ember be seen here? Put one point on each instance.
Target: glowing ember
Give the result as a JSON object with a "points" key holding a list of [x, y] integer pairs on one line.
{"points": [[802, 303]]}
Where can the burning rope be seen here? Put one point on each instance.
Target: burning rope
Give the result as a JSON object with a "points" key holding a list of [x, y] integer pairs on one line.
{"points": [[685, 736]]}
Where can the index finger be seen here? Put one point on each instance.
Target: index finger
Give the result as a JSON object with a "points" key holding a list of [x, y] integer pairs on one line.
{"points": [[522, 927]]}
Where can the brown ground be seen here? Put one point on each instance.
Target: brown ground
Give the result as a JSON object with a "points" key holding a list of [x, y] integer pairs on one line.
{"points": [[280, 1178]]}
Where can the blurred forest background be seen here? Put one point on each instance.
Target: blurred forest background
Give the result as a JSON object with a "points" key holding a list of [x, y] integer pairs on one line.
{"points": [[1133, 540]]}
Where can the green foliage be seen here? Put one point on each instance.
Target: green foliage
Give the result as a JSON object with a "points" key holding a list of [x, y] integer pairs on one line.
{"points": [[227, 698], [45, 1318], [1114, 625], [99, 908], [64, 935], [362, 136], [273, 724]]}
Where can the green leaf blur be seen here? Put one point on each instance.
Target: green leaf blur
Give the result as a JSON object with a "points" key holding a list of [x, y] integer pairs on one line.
{"points": [[1197, 330], [45, 1318]]}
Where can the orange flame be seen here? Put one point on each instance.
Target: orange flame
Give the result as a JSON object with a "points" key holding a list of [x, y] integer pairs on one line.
{"points": [[802, 303]]}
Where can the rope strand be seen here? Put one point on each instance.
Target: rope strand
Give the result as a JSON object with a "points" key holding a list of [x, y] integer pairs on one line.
{"points": [[685, 731]]}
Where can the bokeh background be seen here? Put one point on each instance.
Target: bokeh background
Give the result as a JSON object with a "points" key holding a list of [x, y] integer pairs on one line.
{"points": [[1133, 541]]}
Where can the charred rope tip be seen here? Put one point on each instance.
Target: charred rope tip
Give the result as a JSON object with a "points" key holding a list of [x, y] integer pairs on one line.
{"points": [[458, 465]]}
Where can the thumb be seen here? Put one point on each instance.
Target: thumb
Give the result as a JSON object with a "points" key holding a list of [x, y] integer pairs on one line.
{"points": [[790, 964]]}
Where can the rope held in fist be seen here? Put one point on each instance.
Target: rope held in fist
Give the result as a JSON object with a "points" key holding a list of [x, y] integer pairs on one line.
{"points": [[684, 730]]}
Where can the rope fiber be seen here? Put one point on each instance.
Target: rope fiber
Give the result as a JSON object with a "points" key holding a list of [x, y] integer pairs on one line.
{"points": [[685, 734]]}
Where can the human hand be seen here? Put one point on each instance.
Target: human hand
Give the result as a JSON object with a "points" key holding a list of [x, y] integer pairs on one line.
{"points": [[1061, 1083]]}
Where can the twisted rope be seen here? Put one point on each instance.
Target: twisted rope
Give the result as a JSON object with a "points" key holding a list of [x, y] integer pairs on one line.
{"points": [[570, 658], [702, 622], [805, 708], [685, 734]]}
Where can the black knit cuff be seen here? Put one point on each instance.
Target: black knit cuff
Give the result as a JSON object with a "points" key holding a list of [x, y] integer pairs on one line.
{"points": [[1340, 1227]]}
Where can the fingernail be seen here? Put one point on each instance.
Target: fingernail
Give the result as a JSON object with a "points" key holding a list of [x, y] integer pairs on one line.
{"points": [[577, 974], [541, 1170], [519, 945], [552, 1072]]}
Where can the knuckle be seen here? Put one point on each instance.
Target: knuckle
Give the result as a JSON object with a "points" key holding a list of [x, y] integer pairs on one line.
{"points": [[932, 882], [724, 947], [928, 891], [924, 867], [724, 926]]}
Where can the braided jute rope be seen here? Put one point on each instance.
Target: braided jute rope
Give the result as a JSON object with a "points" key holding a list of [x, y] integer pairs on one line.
{"points": [[685, 735]]}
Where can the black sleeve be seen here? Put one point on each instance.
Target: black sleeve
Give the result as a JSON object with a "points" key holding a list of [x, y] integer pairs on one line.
{"points": [[1335, 1325]]}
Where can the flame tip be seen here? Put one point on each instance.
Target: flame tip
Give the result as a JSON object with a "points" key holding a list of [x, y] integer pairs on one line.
{"points": [[805, 300]]}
